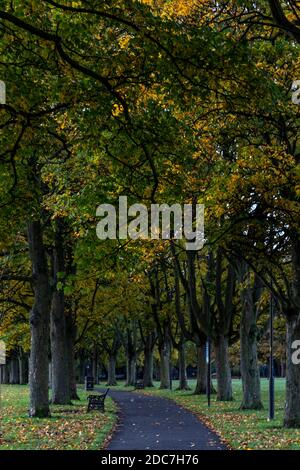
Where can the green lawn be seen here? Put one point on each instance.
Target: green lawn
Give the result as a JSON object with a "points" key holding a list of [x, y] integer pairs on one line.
{"points": [[240, 429], [69, 427]]}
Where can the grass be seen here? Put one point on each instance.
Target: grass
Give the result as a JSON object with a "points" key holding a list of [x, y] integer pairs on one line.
{"points": [[69, 428], [241, 429]]}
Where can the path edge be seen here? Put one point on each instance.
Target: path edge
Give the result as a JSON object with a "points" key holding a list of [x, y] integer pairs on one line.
{"points": [[198, 416]]}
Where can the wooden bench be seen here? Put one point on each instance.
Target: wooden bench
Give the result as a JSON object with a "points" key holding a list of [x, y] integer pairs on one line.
{"points": [[139, 385], [96, 402]]}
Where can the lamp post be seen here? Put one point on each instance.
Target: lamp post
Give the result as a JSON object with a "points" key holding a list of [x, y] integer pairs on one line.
{"points": [[271, 362]]}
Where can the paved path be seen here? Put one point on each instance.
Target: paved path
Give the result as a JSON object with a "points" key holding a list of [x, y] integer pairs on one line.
{"points": [[155, 423]]}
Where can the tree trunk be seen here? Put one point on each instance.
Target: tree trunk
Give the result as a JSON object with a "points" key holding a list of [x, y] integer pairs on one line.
{"points": [[292, 404], [282, 368], [164, 354], [130, 370], [5, 372], [39, 325], [130, 348], [111, 380], [249, 363], [50, 375], [200, 388], [156, 369], [60, 370], [224, 392], [59, 353], [81, 367], [148, 362], [71, 336], [201, 371], [183, 383], [95, 366], [14, 371], [23, 376], [2, 373]]}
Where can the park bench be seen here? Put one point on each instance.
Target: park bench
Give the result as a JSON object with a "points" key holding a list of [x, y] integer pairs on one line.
{"points": [[96, 402], [139, 385]]}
